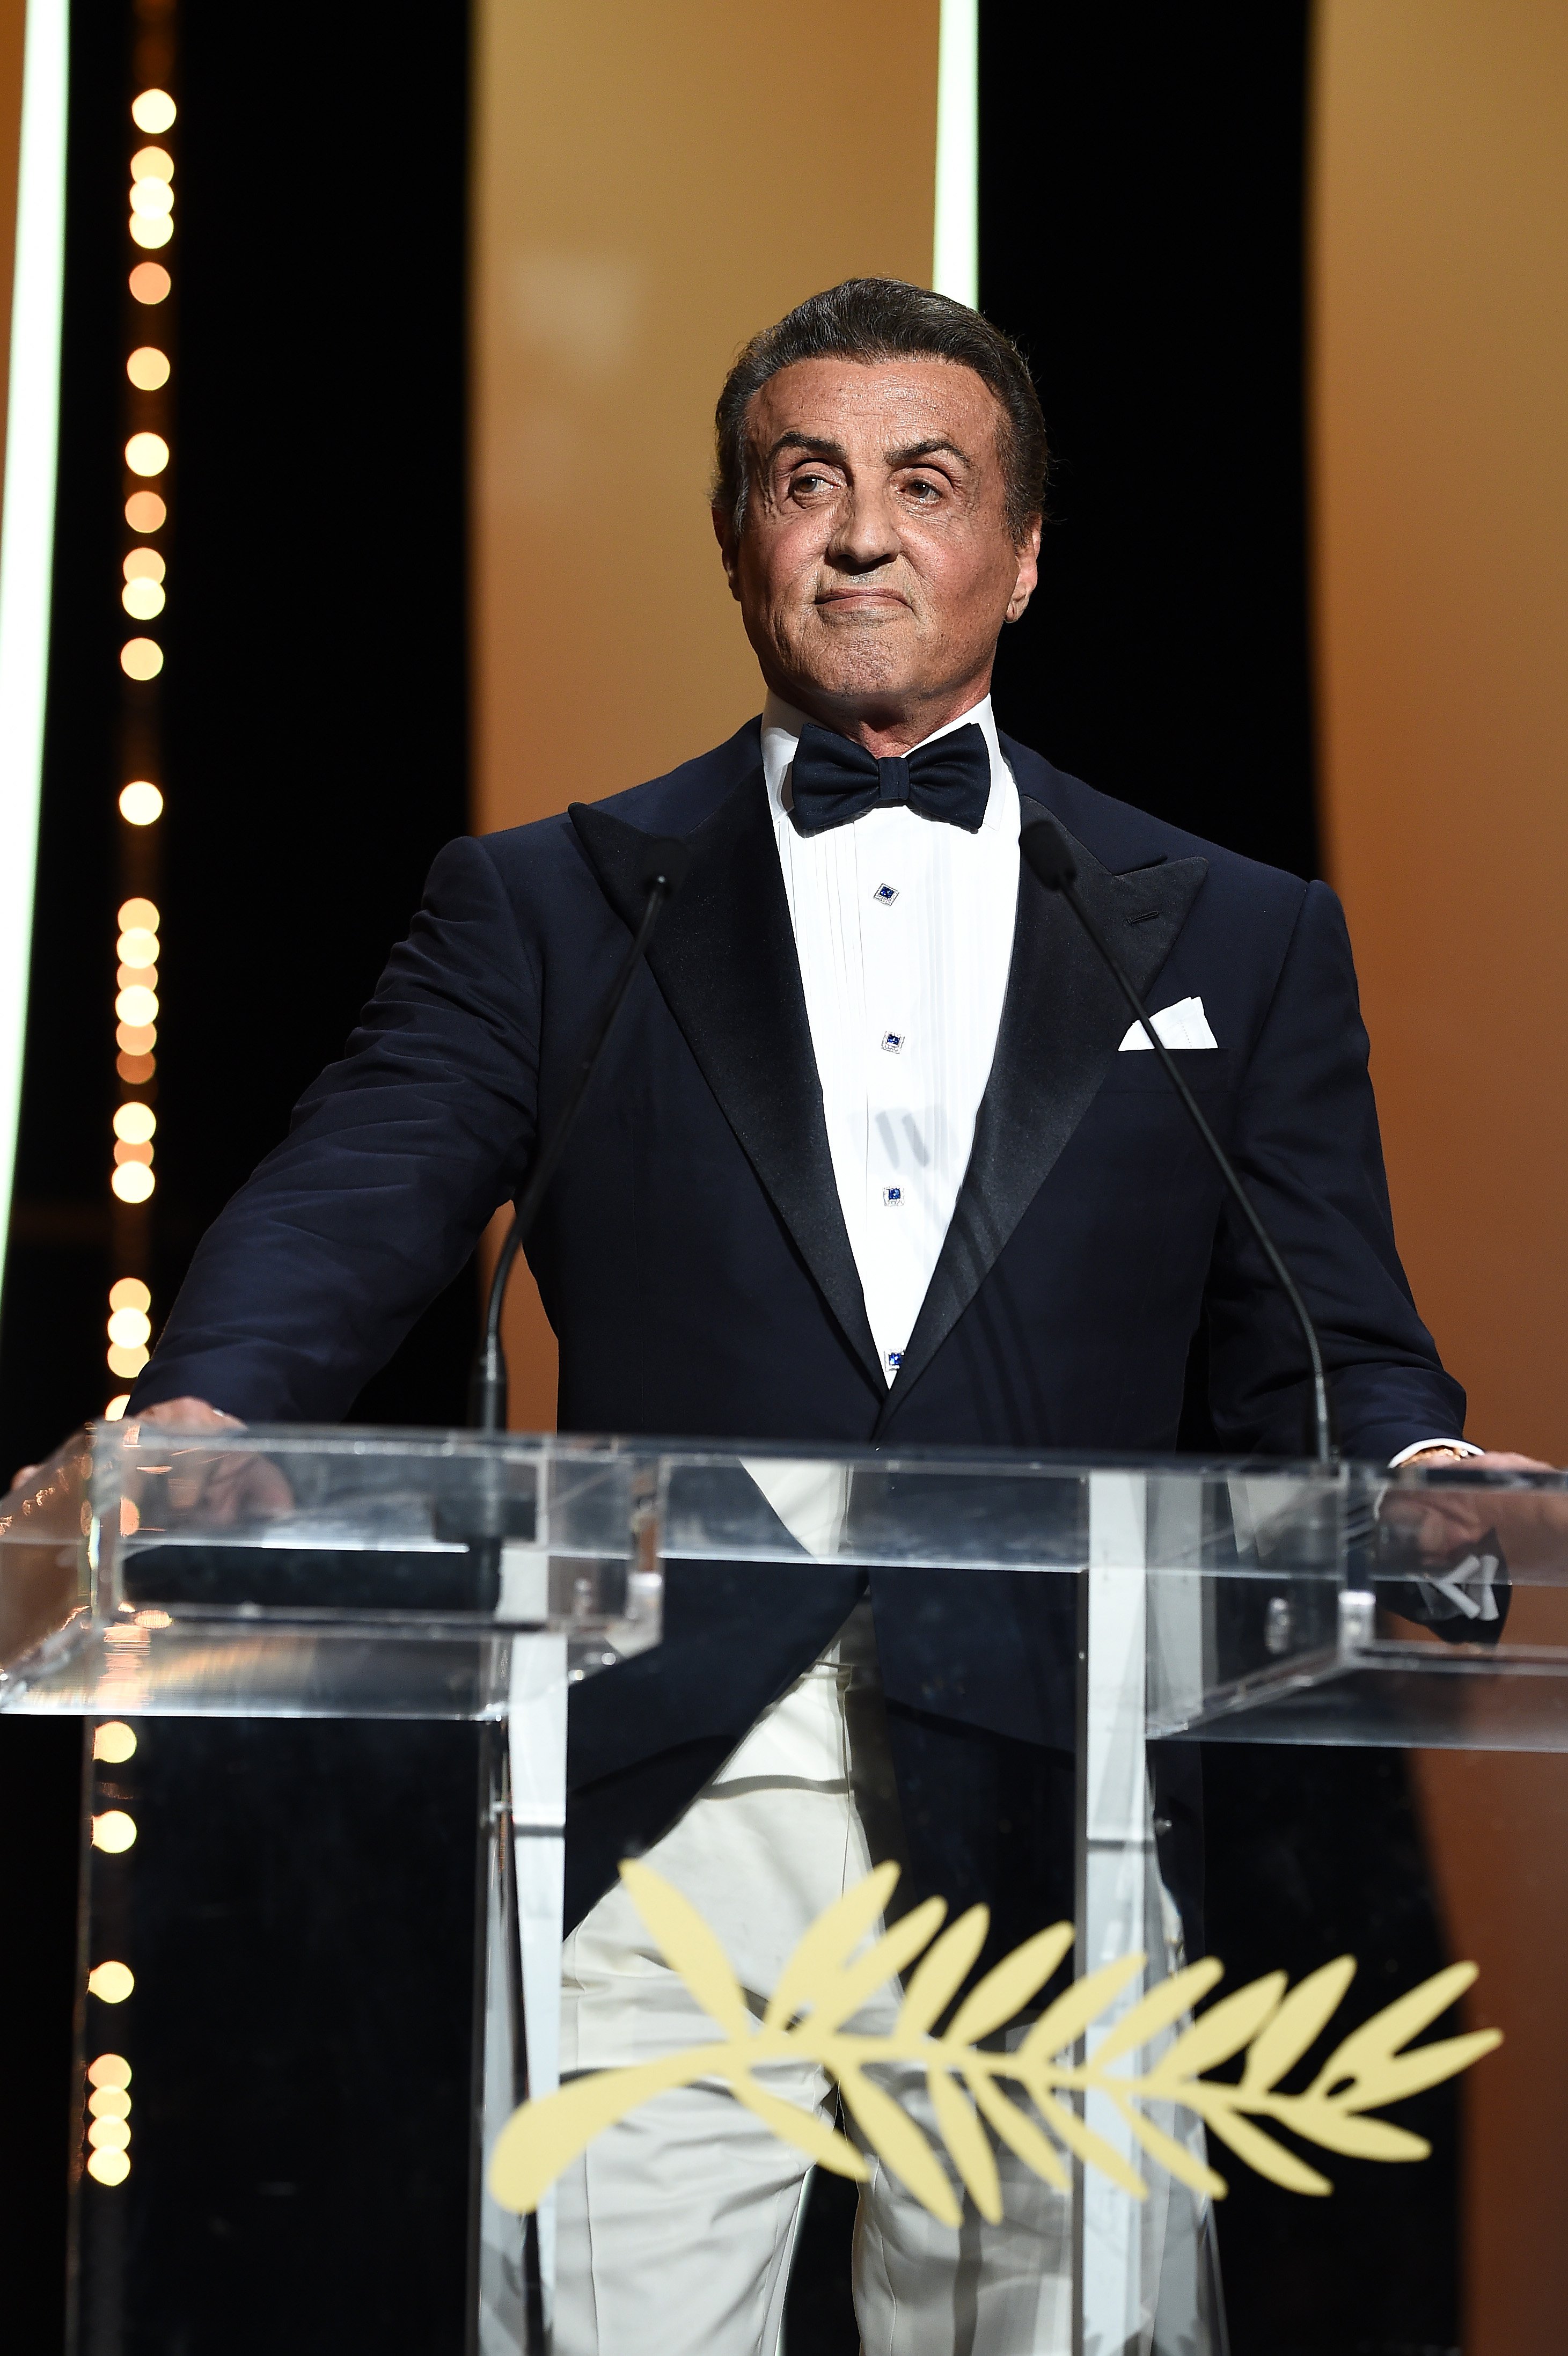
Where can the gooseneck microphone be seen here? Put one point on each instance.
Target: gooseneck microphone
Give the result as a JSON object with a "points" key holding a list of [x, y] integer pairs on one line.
{"points": [[1047, 852], [664, 863]]}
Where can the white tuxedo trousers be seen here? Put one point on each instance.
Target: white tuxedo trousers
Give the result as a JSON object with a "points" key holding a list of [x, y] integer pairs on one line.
{"points": [[676, 2230]]}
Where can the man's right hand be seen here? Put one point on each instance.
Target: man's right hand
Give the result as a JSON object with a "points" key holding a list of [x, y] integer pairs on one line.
{"points": [[188, 1415]]}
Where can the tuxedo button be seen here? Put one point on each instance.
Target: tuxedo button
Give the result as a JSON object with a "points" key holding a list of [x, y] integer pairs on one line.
{"points": [[892, 1194], [892, 1041], [886, 894]]}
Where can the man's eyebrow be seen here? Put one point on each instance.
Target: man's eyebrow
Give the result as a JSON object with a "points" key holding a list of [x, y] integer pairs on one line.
{"points": [[914, 452], [821, 445], [816, 443]]}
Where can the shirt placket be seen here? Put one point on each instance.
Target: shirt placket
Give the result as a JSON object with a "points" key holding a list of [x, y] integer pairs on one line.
{"points": [[890, 886]]}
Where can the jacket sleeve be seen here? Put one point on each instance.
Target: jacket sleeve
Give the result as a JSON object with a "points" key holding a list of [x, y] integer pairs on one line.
{"points": [[1308, 1149], [395, 1160]]}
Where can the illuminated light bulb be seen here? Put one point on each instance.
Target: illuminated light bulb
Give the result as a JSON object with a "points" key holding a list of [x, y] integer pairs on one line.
{"points": [[153, 111], [146, 454], [137, 1038], [152, 199], [150, 283], [151, 233], [117, 1406], [115, 1741], [130, 1328], [129, 1293], [109, 2134], [109, 2102], [132, 1182], [144, 601], [144, 511], [137, 915], [115, 1832], [148, 367], [137, 944], [111, 1983], [136, 1123], [140, 804], [126, 1364], [142, 657], [136, 1070], [109, 2070], [108, 2167], [132, 977], [137, 1005], [145, 563], [152, 163], [133, 1153]]}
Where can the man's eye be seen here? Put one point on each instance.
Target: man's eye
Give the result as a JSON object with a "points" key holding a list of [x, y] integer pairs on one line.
{"points": [[811, 483], [922, 491]]}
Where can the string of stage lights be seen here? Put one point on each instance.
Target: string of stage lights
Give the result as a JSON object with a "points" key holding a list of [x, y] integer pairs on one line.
{"points": [[143, 594]]}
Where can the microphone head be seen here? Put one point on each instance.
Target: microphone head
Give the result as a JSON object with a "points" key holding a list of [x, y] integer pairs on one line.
{"points": [[665, 861], [1046, 848]]}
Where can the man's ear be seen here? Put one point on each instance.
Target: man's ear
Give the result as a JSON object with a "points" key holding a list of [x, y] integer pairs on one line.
{"points": [[1029, 571], [729, 547]]}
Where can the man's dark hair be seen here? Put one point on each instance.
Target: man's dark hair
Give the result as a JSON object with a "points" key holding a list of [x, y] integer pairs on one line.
{"points": [[875, 319]]}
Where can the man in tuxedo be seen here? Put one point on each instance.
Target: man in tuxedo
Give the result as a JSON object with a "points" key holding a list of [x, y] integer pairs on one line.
{"points": [[873, 1160]]}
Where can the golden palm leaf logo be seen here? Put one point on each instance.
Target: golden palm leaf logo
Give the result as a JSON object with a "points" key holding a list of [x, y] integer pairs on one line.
{"points": [[829, 1978]]}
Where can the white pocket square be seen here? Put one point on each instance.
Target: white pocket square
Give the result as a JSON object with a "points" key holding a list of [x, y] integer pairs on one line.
{"points": [[1185, 1024]]}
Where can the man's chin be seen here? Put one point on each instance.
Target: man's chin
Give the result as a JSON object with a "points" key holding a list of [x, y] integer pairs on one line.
{"points": [[868, 658]]}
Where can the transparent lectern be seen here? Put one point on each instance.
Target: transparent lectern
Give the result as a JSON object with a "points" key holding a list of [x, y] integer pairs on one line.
{"points": [[326, 1678]]}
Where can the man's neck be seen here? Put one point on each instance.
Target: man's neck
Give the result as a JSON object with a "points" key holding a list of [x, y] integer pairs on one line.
{"points": [[884, 726]]}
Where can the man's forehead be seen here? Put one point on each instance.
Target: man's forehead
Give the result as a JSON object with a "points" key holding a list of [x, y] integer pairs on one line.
{"points": [[903, 399]]}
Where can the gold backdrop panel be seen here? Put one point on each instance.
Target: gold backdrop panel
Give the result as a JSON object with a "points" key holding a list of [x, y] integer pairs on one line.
{"points": [[651, 184]]}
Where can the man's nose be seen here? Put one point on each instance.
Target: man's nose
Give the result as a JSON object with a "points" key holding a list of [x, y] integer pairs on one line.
{"points": [[865, 533]]}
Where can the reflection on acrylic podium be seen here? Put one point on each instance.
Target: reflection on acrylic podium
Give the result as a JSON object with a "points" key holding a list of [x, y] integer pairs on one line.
{"points": [[323, 1680]]}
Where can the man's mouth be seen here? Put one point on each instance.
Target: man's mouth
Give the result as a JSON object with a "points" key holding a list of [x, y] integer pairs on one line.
{"points": [[862, 599]]}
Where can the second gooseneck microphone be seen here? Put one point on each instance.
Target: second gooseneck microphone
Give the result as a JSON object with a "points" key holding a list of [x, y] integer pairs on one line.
{"points": [[1046, 849], [664, 863]]}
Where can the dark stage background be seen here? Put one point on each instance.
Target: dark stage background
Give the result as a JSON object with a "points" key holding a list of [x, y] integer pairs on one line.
{"points": [[1141, 233], [315, 690], [314, 699]]}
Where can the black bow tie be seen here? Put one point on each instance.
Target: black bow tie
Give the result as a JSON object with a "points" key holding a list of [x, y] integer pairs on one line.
{"points": [[833, 781]]}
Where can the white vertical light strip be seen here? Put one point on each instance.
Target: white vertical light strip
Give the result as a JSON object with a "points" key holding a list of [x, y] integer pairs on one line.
{"points": [[956, 265], [27, 529]]}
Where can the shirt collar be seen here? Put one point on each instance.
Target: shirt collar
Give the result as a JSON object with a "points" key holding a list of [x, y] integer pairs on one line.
{"points": [[782, 726]]}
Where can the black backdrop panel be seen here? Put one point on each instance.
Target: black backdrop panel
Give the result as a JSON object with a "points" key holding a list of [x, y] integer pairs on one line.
{"points": [[1141, 216], [317, 669], [314, 699], [315, 691]]}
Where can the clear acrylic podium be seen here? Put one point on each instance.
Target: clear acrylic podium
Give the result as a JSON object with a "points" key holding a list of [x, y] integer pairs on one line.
{"points": [[225, 1594]]}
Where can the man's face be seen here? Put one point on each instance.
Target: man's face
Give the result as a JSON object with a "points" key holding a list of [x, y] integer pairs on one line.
{"points": [[875, 566]]}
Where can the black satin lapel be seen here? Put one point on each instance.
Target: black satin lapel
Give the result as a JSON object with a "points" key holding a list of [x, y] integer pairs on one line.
{"points": [[724, 958], [1063, 1018]]}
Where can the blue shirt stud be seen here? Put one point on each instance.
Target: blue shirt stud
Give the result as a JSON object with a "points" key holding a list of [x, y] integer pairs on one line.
{"points": [[895, 1359], [891, 1041], [885, 894], [892, 1194]]}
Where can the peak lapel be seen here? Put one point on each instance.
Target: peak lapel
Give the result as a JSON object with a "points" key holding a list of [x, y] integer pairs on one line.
{"points": [[1063, 1019], [724, 959]]}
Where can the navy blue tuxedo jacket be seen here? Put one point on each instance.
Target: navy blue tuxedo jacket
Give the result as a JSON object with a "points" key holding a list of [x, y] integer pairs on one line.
{"points": [[693, 1257]]}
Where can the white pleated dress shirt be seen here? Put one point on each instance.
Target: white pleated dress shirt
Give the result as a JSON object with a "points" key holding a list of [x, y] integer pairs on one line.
{"points": [[904, 927]]}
